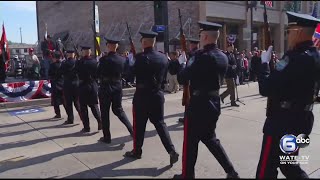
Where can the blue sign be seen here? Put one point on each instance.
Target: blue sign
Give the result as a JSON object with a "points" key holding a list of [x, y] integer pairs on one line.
{"points": [[159, 28], [25, 111]]}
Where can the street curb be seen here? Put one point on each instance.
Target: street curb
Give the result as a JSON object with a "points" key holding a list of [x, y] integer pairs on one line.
{"points": [[47, 101]]}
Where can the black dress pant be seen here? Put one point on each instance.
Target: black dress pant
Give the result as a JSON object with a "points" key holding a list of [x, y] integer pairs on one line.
{"points": [[147, 105], [71, 97], [200, 125], [85, 114], [112, 97]]}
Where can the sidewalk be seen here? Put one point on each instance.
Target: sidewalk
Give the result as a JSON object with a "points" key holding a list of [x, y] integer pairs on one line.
{"points": [[34, 146]]}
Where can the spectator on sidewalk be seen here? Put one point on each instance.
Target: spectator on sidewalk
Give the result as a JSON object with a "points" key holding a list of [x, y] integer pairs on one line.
{"points": [[230, 77], [173, 69]]}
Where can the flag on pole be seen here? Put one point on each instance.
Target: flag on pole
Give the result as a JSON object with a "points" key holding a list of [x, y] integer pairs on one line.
{"points": [[316, 37], [315, 9], [4, 46]]}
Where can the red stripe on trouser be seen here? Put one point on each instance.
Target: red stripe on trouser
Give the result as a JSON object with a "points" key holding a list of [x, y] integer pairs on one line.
{"points": [[134, 128], [265, 156], [184, 150]]}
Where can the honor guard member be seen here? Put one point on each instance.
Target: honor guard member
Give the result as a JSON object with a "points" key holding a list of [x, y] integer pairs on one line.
{"points": [[204, 108], [70, 86], [148, 101], [193, 47], [290, 92], [56, 81], [86, 69], [110, 70]]}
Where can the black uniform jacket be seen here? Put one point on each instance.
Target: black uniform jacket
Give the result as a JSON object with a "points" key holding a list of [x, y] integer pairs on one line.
{"points": [[291, 83], [86, 69]]}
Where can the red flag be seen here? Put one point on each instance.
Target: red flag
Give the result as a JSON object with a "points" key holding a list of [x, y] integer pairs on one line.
{"points": [[4, 45]]}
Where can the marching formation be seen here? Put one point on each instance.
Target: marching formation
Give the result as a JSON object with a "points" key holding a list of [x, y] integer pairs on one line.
{"points": [[97, 83]]}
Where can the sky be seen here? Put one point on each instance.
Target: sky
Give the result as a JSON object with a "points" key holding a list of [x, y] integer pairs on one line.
{"points": [[16, 14]]}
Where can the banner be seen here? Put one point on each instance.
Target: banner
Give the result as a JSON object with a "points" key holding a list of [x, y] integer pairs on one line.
{"points": [[231, 38], [23, 91]]}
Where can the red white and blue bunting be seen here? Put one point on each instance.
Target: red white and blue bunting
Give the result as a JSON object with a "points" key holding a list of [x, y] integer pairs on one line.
{"points": [[23, 91]]}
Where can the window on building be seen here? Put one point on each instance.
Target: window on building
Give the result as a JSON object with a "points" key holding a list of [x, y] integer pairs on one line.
{"points": [[17, 51], [25, 50]]}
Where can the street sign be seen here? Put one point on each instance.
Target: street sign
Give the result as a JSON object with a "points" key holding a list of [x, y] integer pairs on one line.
{"points": [[96, 22], [25, 111], [159, 28]]}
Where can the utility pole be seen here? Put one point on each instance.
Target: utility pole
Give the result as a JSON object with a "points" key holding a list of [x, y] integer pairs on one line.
{"points": [[20, 35], [253, 4], [94, 27]]}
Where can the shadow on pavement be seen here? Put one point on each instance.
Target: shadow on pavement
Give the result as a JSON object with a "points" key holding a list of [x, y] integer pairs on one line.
{"points": [[116, 144], [109, 170]]}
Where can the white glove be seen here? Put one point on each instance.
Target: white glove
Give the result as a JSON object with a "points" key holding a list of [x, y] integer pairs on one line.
{"points": [[98, 57], [183, 57], [234, 66], [266, 55]]}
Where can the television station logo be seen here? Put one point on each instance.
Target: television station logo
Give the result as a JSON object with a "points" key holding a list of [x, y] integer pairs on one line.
{"points": [[290, 144]]}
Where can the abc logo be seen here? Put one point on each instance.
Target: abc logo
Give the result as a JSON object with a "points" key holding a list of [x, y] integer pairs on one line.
{"points": [[290, 143]]}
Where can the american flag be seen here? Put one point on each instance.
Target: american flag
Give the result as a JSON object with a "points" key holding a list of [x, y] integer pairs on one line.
{"points": [[316, 37], [268, 3]]}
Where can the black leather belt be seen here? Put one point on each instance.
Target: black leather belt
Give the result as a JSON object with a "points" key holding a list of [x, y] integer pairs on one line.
{"points": [[110, 79], [206, 93], [290, 105], [145, 86]]}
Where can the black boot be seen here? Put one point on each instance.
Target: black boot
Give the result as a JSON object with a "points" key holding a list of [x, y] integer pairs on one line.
{"points": [[181, 120], [177, 176], [234, 104], [133, 154], [84, 130], [174, 157], [105, 140], [233, 175]]}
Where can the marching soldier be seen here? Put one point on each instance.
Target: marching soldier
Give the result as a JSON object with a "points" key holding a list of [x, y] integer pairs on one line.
{"points": [[110, 69], [290, 92], [56, 84], [70, 86], [193, 46], [204, 108], [148, 101], [86, 69]]}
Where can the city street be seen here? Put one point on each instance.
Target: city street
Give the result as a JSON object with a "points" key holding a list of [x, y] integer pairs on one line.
{"points": [[34, 146]]}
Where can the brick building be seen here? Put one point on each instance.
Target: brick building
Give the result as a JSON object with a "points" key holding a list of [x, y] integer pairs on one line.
{"points": [[76, 18]]}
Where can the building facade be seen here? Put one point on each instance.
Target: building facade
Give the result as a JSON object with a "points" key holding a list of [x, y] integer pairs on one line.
{"points": [[76, 18], [21, 50]]}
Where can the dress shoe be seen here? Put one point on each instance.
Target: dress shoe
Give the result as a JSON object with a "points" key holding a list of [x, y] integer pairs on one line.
{"points": [[181, 120], [234, 104], [67, 122], [174, 157], [84, 130], [177, 176], [105, 140], [132, 154], [56, 117], [233, 175]]}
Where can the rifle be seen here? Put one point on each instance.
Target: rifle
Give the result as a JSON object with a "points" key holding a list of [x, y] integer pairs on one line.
{"points": [[186, 89], [96, 42], [132, 48], [267, 43], [75, 49]]}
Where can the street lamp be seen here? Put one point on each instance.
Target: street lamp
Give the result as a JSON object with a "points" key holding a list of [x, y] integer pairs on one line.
{"points": [[253, 4]]}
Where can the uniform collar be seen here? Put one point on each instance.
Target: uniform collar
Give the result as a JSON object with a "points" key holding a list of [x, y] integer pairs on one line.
{"points": [[111, 52], [210, 46], [148, 49], [304, 45]]}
